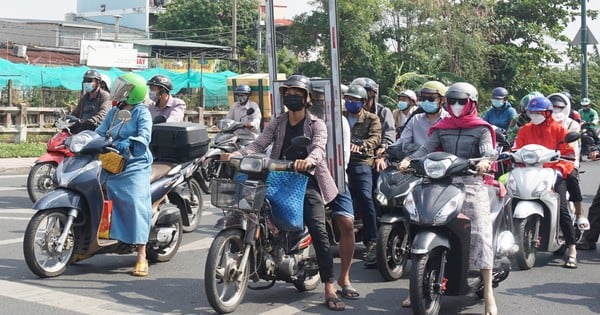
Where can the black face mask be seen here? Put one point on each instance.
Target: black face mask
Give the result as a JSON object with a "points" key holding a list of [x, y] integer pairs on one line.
{"points": [[293, 102]]}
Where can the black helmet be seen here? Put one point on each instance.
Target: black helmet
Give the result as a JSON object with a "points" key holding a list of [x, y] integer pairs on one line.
{"points": [[297, 81], [161, 81], [499, 93], [92, 74], [242, 89]]}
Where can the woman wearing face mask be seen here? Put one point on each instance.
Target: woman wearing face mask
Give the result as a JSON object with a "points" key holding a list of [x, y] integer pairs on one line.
{"points": [[544, 130], [501, 113], [407, 101], [466, 135], [163, 103], [321, 188], [93, 104]]}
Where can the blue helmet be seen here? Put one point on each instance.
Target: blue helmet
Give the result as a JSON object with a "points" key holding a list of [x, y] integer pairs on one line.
{"points": [[539, 104]]}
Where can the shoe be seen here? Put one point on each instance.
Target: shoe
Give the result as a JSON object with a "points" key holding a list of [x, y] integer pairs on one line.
{"points": [[141, 269]]}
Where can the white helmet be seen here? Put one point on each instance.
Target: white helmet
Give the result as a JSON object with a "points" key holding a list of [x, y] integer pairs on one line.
{"points": [[106, 80]]}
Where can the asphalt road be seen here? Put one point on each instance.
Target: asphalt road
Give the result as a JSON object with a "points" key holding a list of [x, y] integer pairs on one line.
{"points": [[103, 284]]}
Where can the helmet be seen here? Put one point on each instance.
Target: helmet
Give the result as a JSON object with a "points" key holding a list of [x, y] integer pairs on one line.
{"points": [[106, 80], [344, 88], [434, 87], [499, 93], [462, 90], [92, 74], [297, 81], [161, 81], [568, 95], [410, 94], [558, 100], [367, 83], [585, 101], [357, 91], [525, 100], [539, 104], [243, 89], [129, 87]]}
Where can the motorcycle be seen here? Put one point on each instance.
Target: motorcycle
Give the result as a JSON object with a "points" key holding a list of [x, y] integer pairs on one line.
{"points": [[589, 137], [232, 136], [67, 225], [40, 178], [441, 235], [252, 243], [535, 203], [393, 245]]}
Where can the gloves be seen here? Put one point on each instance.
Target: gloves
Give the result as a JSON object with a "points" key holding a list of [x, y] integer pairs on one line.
{"points": [[124, 147]]}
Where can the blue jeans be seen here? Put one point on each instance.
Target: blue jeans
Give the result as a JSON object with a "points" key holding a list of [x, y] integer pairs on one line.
{"points": [[360, 179]]}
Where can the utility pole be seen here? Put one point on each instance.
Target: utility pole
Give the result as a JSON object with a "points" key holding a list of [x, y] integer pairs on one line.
{"points": [[234, 31], [584, 39], [117, 17], [259, 40]]}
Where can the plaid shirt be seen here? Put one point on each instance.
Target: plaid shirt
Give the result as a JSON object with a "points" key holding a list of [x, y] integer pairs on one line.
{"points": [[314, 128]]}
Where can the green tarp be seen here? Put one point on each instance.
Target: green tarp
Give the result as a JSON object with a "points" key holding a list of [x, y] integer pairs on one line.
{"points": [[22, 75]]}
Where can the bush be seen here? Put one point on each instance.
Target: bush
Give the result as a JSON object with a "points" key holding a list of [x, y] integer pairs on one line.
{"points": [[12, 150]]}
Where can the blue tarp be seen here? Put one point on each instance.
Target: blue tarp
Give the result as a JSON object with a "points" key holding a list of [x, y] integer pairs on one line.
{"points": [[22, 75]]}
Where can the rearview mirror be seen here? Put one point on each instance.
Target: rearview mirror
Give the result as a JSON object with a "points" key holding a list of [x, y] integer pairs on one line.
{"points": [[159, 119], [572, 136], [124, 115], [301, 142], [249, 111]]}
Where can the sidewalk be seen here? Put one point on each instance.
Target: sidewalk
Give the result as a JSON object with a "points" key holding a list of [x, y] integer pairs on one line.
{"points": [[16, 166]]}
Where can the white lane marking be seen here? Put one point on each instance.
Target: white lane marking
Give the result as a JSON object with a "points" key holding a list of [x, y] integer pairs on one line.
{"points": [[17, 211], [284, 309], [74, 303], [14, 176], [15, 218], [12, 188], [11, 241]]}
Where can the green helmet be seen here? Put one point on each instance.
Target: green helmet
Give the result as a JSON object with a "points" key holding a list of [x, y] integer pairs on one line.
{"points": [[525, 100], [357, 91], [130, 88], [434, 87]]}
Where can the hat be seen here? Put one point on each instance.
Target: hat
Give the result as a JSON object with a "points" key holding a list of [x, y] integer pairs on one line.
{"points": [[585, 101]]}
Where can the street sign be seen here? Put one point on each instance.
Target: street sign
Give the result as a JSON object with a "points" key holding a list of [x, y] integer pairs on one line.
{"points": [[591, 40]]}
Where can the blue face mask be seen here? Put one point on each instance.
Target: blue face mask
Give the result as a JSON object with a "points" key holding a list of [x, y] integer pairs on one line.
{"points": [[497, 103], [88, 86], [402, 105], [353, 107], [429, 107]]}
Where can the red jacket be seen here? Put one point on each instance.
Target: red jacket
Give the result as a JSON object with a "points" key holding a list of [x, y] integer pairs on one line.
{"points": [[549, 134]]}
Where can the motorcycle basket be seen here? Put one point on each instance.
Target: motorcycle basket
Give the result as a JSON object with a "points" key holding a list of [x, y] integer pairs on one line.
{"points": [[228, 194]]}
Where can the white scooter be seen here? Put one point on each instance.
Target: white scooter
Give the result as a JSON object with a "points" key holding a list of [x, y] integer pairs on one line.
{"points": [[536, 206]]}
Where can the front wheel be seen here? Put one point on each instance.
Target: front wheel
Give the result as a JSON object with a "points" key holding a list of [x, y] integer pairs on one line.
{"points": [[525, 239], [194, 192], [225, 280], [391, 251], [41, 180], [42, 254], [425, 290]]}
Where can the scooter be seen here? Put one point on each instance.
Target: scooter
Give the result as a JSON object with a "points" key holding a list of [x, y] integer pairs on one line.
{"points": [[535, 203], [67, 225], [589, 137], [40, 178], [441, 234], [253, 243]]}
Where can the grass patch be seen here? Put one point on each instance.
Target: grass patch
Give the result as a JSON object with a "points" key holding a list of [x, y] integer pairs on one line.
{"points": [[16, 150]]}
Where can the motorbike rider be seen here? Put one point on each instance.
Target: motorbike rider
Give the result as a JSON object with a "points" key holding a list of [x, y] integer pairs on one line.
{"points": [[573, 114], [501, 113], [407, 105], [129, 190], [239, 112], [163, 103], [93, 105], [522, 118], [466, 135], [544, 130], [589, 116], [321, 188], [105, 82], [366, 129]]}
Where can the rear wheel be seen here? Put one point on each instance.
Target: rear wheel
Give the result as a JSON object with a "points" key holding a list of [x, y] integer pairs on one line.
{"points": [[526, 241], [391, 251], [41, 180], [162, 252], [425, 291], [308, 278], [194, 193]]}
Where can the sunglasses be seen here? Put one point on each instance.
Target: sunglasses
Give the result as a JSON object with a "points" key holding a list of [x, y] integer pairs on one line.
{"points": [[431, 98], [461, 101], [88, 80]]}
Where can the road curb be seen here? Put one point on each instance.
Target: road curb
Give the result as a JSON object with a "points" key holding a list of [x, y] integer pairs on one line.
{"points": [[15, 171]]}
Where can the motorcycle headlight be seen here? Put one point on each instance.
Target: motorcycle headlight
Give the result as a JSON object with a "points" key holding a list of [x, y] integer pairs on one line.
{"points": [[447, 209], [530, 157], [436, 169], [224, 123], [251, 164], [78, 141], [411, 208]]}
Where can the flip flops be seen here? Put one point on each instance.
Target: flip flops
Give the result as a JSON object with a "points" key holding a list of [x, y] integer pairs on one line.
{"points": [[571, 263], [335, 304], [348, 292], [141, 269], [582, 224]]}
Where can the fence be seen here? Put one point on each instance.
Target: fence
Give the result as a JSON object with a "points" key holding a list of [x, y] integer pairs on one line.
{"points": [[21, 122]]}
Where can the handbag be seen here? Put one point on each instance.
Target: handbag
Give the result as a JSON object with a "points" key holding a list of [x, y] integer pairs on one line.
{"points": [[111, 161]]}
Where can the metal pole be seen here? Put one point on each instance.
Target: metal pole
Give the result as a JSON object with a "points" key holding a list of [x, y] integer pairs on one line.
{"points": [[259, 40], [234, 31], [271, 52], [584, 77], [117, 17]]}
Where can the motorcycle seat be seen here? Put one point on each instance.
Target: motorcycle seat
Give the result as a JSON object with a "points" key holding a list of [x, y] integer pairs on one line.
{"points": [[160, 169]]}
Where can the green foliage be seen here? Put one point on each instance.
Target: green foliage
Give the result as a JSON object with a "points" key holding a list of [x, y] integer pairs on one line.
{"points": [[11, 150]]}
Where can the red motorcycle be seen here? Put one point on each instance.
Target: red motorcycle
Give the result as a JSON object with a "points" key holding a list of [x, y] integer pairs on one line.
{"points": [[41, 176]]}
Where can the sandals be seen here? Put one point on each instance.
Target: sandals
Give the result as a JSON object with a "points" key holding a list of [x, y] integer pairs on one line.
{"points": [[571, 263], [406, 303], [582, 224], [141, 269], [333, 303], [348, 292]]}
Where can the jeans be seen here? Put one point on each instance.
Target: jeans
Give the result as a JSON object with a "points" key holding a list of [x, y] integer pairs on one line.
{"points": [[565, 220], [360, 179], [573, 186], [314, 218], [591, 235]]}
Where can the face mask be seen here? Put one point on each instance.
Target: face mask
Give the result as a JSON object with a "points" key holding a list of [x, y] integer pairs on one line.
{"points": [[429, 107], [242, 99], [88, 86], [537, 119], [153, 96], [293, 102], [353, 107], [402, 105], [559, 117], [497, 103], [457, 109]]}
